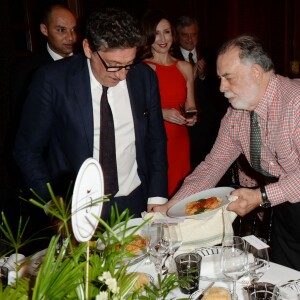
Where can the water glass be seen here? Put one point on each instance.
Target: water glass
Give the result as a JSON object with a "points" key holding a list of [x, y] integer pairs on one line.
{"points": [[188, 267], [175, 243], [262, 295], [258, 259], [148, 230], [159, 244], [234, 260], [289, 290]]}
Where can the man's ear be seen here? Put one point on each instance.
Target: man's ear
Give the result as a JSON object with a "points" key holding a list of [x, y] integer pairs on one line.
{"points": [[86, 48], [257, 72], [43, 29]]}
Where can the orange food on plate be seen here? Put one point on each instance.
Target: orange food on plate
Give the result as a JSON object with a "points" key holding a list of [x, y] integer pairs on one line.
{"points": [[202, 205], [136, 245]]}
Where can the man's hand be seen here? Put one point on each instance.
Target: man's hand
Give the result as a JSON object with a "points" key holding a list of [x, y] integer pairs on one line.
{"points": [[165, 207], [248, 199], [200, 69]]}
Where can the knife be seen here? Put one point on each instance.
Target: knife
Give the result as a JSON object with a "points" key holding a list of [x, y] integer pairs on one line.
{"points": [[202, 293]]}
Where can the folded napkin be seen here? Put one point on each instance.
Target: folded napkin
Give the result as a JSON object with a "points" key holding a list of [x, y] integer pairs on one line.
{"points": [[206, 232]]}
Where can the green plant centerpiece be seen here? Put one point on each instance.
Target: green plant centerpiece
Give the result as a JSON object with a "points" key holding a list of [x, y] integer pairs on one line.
{"points": [[72, 270]]}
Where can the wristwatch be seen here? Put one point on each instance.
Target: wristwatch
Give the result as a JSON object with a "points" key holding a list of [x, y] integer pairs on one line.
{"points": [[265, 201]]}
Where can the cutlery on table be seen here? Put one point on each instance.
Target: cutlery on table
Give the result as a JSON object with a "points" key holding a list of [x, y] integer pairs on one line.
{"points": [[202, 293]]}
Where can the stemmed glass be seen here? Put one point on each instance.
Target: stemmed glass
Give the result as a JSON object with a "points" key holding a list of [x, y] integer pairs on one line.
{"points": [[234, 260], [258, 259], [149, 230], [159, 244], [175, 242]]}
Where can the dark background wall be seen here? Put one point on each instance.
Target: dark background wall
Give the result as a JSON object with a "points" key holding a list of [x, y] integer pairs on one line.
{"points": [[274, 21]]}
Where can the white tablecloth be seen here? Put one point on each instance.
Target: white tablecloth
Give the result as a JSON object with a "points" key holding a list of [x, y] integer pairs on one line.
{"points": [[274, 275]]}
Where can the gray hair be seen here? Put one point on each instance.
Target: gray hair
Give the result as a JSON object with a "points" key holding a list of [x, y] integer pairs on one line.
{"points": [[251, 50], [185, 21]]}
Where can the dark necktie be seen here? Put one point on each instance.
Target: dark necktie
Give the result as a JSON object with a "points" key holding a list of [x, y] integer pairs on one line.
{"points": [[255, 145], [191, 60], [255, 142], [108, 159]]}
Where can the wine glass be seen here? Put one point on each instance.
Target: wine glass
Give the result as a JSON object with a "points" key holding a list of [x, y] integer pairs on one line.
{"points": [[175, 243], [258, 261], [234, 260], [159, 244], [148, 230]]}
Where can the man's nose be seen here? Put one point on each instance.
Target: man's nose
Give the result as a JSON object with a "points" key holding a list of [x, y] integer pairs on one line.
{"points": [[71, 35], [223, 85], [121, 74], [189, 37]]}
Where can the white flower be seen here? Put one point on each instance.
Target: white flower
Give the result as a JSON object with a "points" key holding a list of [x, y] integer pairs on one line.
{"points": [[105, 276], [112, 285], [102, 296]]}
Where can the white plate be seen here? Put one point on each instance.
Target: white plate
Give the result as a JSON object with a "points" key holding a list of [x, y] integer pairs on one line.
{"points": [[132, 224], [178, 209], [140, 255], [36, 261], [211, 264], [86, 201]]}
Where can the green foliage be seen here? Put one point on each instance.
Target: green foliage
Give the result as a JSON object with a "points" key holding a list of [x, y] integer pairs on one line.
{"points": [[81, 270]]}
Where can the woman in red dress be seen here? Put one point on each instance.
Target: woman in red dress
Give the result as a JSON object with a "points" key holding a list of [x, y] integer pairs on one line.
{"points": [[176, 85]]}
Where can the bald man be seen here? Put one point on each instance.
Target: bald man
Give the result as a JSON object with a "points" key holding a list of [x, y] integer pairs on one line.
{"points": [[58, 25]]}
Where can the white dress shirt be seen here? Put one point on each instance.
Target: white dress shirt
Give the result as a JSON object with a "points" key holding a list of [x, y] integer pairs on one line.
{"points": [[54, 55], [185, 54], [119, 102]]}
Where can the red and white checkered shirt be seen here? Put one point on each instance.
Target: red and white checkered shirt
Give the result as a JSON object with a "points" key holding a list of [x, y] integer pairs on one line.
{"points": [[279, 119]]}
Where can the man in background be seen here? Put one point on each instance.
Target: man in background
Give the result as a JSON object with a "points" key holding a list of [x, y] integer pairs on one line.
{"points": [[58, 26], [203, 134]]}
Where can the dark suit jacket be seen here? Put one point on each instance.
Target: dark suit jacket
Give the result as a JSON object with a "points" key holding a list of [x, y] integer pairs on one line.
{"points": [[204, 132], [56, 130], [21, 75]]}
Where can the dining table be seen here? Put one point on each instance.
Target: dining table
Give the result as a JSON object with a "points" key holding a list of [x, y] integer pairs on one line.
{"points": [[275, 274]]}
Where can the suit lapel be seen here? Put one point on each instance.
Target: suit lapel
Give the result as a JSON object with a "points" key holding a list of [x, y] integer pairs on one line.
{"points": [[135, 95], [83, 98]]}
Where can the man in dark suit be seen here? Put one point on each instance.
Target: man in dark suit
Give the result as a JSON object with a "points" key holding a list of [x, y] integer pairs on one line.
{"points": [[203, 134], [61, 126], [58, 25]]}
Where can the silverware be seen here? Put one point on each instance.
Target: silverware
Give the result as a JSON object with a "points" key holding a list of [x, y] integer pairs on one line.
{"points": [[202, 293]]}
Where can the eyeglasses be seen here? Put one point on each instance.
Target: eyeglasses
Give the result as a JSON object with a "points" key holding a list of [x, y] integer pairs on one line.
{"points": [[114, 68]]}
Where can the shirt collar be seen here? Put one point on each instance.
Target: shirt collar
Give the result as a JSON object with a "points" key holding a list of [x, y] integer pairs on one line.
{"points": [[185, 53], [267, 99], [94, 82], [54, 55]]}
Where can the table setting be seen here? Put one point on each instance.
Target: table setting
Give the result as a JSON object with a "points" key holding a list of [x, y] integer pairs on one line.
{"points": [[189, 252], [245, 277]]}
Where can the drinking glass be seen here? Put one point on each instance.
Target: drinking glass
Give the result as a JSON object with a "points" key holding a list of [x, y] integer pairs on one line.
{"points": [[147, 231], [175, 243], [262, 295], [258, 260], [159, 244], [188, 267], [289, 290], [234, 262]]}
